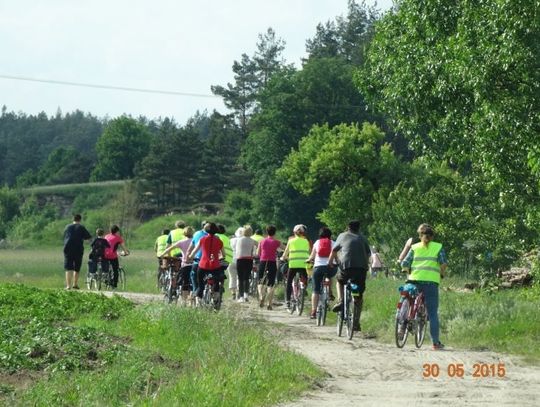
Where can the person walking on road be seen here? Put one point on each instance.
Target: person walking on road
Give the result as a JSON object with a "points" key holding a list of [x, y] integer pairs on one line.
{"points": [[74, 236], [427, 263]]}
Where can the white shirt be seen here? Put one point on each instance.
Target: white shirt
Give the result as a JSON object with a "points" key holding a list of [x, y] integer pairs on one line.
{"points": [[320, 261]]}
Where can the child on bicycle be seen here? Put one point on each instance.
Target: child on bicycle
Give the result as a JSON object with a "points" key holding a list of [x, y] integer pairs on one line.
{"points": [[99, 244]]}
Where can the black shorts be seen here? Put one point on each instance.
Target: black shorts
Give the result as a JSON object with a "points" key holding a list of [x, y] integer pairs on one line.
{"points": [[355, 274], [271, 268], [73, 261]]}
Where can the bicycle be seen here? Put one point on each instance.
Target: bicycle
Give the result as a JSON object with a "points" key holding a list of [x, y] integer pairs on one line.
{"points": [[254, 281], [411, 316], [298, 295], [350, 308], [212, 292], [170, 279], [93, 280], [322, 307]]}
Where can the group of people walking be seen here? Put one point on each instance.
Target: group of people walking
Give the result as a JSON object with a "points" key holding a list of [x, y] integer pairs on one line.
{"points": [[104, 250]]}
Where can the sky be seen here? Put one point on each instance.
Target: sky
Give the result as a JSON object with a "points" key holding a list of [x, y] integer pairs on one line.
{"points": [[182, 46]]}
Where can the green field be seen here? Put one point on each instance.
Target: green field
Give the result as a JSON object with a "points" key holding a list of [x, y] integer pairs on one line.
{"points": [[506, 321], [67, 348]]}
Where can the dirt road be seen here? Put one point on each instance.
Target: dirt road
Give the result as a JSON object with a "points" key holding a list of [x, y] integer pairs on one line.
{"points": [[367, 373]]}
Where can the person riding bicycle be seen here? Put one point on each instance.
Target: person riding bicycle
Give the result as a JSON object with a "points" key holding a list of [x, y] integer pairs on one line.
{"points": [[212, 251], [353, 251], [197, 236], [99, 244], [111, 255], [176, 235], [296, 252], [319, 256], [267, 251], [427, 264], [185, 268], [159, 246]]}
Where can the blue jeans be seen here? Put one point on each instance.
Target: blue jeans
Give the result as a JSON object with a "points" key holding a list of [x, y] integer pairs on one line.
{"points": [[431, 295], [319, 273], [193, 277]]}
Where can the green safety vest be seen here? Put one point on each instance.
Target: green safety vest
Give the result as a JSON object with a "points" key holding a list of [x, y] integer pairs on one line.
{"points": [[425, 266], [227, 245], [176, 235], [161, 243], [298, 252], [257, 238]]}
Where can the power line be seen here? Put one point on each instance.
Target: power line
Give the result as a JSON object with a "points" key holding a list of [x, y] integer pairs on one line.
{"points": [[96, 86]]}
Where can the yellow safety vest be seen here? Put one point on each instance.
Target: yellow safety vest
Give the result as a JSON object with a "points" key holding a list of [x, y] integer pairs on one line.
{"points": [[257, 238], [298, 253], [161, 244], [176, 235], [227, 245], [425, 266]]}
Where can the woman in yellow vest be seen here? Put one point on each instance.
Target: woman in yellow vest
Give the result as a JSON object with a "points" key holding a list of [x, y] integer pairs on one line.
{"points": [[297, 253], [426, 262]]}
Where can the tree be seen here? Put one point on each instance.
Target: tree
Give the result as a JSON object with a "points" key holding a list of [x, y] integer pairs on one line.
{"points": [[122, 145], [349, 161], [172, 166], [9, 208], [251, 76]]}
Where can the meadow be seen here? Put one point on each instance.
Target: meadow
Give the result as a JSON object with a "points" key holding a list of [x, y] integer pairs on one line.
{"points": [[506, 321]]}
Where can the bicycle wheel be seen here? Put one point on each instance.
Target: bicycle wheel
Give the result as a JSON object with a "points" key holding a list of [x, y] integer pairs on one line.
{"points": [[207, 296], [320, 308], [122, 278], [421, 325], [217, 298], [340, 321], [169, 290], [300, 300], [401, 326], [349, 314]]}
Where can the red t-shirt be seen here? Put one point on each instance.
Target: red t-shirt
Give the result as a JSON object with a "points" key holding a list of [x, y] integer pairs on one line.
{"points": [[211, 249]]}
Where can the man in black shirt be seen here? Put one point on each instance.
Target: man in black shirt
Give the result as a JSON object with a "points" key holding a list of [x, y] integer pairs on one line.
{"points": [[74, 237]]}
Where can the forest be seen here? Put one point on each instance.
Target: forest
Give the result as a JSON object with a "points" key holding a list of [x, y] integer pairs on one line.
{"points": [[426, 113]]}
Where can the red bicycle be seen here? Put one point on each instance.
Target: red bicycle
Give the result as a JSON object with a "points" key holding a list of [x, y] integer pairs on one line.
{"points": [[411, 316]]}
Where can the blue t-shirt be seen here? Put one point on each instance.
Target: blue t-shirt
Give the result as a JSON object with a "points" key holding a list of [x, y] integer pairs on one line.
{"points": [[196, 237]]}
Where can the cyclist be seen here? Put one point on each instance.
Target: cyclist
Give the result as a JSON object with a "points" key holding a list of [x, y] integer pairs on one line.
{"points": [[185, 270], [159, 246], [197, 236], [245, 248], [319, 256], [176, 235], [376, 262], [212, 250], [267, 252], [227, 260], [99, 244], [111, 255], [353, 251], [258, 236], [74, 236], [427, 262], [296, 252]]}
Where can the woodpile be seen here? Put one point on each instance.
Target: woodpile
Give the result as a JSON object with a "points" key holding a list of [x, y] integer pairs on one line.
{"points": [[516, 277]]}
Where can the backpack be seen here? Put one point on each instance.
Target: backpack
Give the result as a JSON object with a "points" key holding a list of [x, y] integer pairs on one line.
{"points": [[325, 247]]}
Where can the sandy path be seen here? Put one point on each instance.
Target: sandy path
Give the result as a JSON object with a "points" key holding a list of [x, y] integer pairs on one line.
{"points": [[365, 372]]}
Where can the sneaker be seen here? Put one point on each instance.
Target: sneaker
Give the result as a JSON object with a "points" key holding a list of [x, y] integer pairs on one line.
{"points": [[288, 305], [438, 346], [313, 315], [67, 288], [261, 303], [269, 308], [241, 299], [337, 307], [76, 287]]}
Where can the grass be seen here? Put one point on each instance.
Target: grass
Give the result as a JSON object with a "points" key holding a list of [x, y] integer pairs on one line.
{"points": [[86, 349], [505, 321], [44, 268]]}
